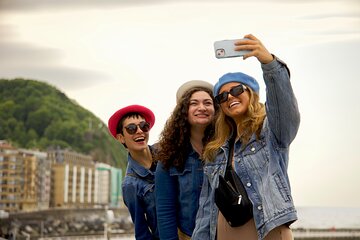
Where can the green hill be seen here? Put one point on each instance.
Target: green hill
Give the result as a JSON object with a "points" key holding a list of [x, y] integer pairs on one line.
{"points": [[35, 115]]}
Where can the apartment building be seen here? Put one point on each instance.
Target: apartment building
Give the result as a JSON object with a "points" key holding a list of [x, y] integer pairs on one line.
{"points": [[33, 180], [72, 179], [115, 189], [10, 178], [24, 179], [37, 174], [102, 184], [108, 185]]}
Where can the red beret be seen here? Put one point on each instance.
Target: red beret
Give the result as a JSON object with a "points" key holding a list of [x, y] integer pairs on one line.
{"points": [[143, 111]]}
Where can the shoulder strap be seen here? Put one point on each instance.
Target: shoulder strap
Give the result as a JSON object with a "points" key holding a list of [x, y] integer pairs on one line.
{"points": [[231, 152]]}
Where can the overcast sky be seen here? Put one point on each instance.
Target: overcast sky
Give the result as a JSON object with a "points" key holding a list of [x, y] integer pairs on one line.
{"points": [[107, 54]]}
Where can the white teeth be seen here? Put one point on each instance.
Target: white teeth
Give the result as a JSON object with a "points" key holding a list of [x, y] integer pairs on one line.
{"points": [[139, 139], [233, 103]]}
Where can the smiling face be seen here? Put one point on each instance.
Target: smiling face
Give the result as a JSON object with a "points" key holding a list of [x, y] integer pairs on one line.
{"points": [[137, 141], [235, 107], [201, 109]]}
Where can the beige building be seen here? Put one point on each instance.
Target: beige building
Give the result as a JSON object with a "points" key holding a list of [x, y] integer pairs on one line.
{"points": [[32, 180], [29, 181], [72, 179], [20, 185], [38, 176]]}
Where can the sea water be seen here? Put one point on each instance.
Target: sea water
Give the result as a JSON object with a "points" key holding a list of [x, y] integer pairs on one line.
{"points": [[327, 218]]}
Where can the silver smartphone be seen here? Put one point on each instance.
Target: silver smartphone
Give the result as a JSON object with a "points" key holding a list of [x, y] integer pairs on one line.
{"points": [[225, 49]]}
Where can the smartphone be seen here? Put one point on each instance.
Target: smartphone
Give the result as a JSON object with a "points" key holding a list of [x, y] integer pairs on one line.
{"points": [[225, 49]]}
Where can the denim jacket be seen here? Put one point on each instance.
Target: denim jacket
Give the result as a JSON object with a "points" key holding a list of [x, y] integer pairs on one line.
{"points": [[139, 197], [261, 164], [177, 197]]}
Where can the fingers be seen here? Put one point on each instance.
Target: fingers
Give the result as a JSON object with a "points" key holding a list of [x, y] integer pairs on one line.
{"points": [[250, 36], [255, 48]]}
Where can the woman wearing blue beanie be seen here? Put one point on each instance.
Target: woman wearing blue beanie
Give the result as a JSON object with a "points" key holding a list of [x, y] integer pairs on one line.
{"points": [[250, 152]]}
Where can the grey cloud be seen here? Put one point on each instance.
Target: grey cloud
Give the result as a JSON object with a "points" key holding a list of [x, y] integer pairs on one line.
{"points": [[338, 32], [63, 77], [15, 5], [324, 16], [27, 61], [12, 51], [6, 32], [21, 53]]}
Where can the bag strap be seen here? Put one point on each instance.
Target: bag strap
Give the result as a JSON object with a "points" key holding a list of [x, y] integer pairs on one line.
{"points": [[231, 152], [239, 185]]}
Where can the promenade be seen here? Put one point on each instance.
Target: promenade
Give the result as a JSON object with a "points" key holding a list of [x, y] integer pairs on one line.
{"points": [[313, 234], [97, 223], [94, 237], [67, 223]]}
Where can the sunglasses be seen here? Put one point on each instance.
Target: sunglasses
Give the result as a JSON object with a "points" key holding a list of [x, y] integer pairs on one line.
{"points": [[234, 91], [132, 127]]}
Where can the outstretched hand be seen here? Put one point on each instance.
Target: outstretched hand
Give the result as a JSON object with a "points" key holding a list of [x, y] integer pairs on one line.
{"points": [[257, 49]]}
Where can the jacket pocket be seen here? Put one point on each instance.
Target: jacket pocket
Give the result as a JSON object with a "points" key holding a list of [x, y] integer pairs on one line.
{"points": [[256, 156], [282, 186], [148, 189]]}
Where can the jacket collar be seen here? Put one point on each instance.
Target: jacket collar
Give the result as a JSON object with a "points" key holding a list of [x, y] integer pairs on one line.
{"points": [[137, 168]]}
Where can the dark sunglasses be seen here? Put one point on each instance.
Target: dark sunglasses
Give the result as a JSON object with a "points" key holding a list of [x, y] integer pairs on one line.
{"points": [[132, 127], [234, 91]]}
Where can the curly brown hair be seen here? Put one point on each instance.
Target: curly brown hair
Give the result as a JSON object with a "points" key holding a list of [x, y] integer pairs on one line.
{"points": [[174, 144]]}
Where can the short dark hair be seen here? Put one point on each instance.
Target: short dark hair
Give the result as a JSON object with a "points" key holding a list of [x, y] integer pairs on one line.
{"points": [[119, 128]]}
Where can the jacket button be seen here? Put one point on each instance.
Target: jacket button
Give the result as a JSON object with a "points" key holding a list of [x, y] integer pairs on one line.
{"points": [[252, 149], [248, 184], [259, 207]]}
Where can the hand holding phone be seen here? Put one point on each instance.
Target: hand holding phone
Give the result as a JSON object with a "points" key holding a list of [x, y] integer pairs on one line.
{"points": [[225, 49]]}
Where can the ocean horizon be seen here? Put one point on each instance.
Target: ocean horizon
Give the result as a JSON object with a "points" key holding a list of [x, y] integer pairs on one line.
{"points": [[327, 218]]}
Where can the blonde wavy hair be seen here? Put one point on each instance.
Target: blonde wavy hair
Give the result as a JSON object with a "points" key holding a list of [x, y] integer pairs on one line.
{"points": [[252, 123]]}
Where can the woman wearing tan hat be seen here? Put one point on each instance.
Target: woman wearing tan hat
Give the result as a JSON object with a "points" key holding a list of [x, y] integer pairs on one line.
{"points": [[179, 173], [250, 150], [131, 126]]}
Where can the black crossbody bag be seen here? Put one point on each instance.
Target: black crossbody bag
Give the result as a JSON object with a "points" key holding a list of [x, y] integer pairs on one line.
{"points": [[231, 197]]}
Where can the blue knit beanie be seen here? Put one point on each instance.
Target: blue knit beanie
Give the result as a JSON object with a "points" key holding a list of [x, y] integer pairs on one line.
{"points": [[237, 77]]}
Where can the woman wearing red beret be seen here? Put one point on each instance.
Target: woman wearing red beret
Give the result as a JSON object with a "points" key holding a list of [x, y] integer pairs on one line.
{"points": [[131, 126]]}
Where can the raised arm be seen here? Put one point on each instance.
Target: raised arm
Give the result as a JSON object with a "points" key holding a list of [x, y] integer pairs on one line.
{"points": [[281, 105]]}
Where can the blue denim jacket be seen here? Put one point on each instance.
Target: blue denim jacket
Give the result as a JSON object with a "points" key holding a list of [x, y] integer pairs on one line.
{"points": [[261, 164], [139, 197], [177, 197]]}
